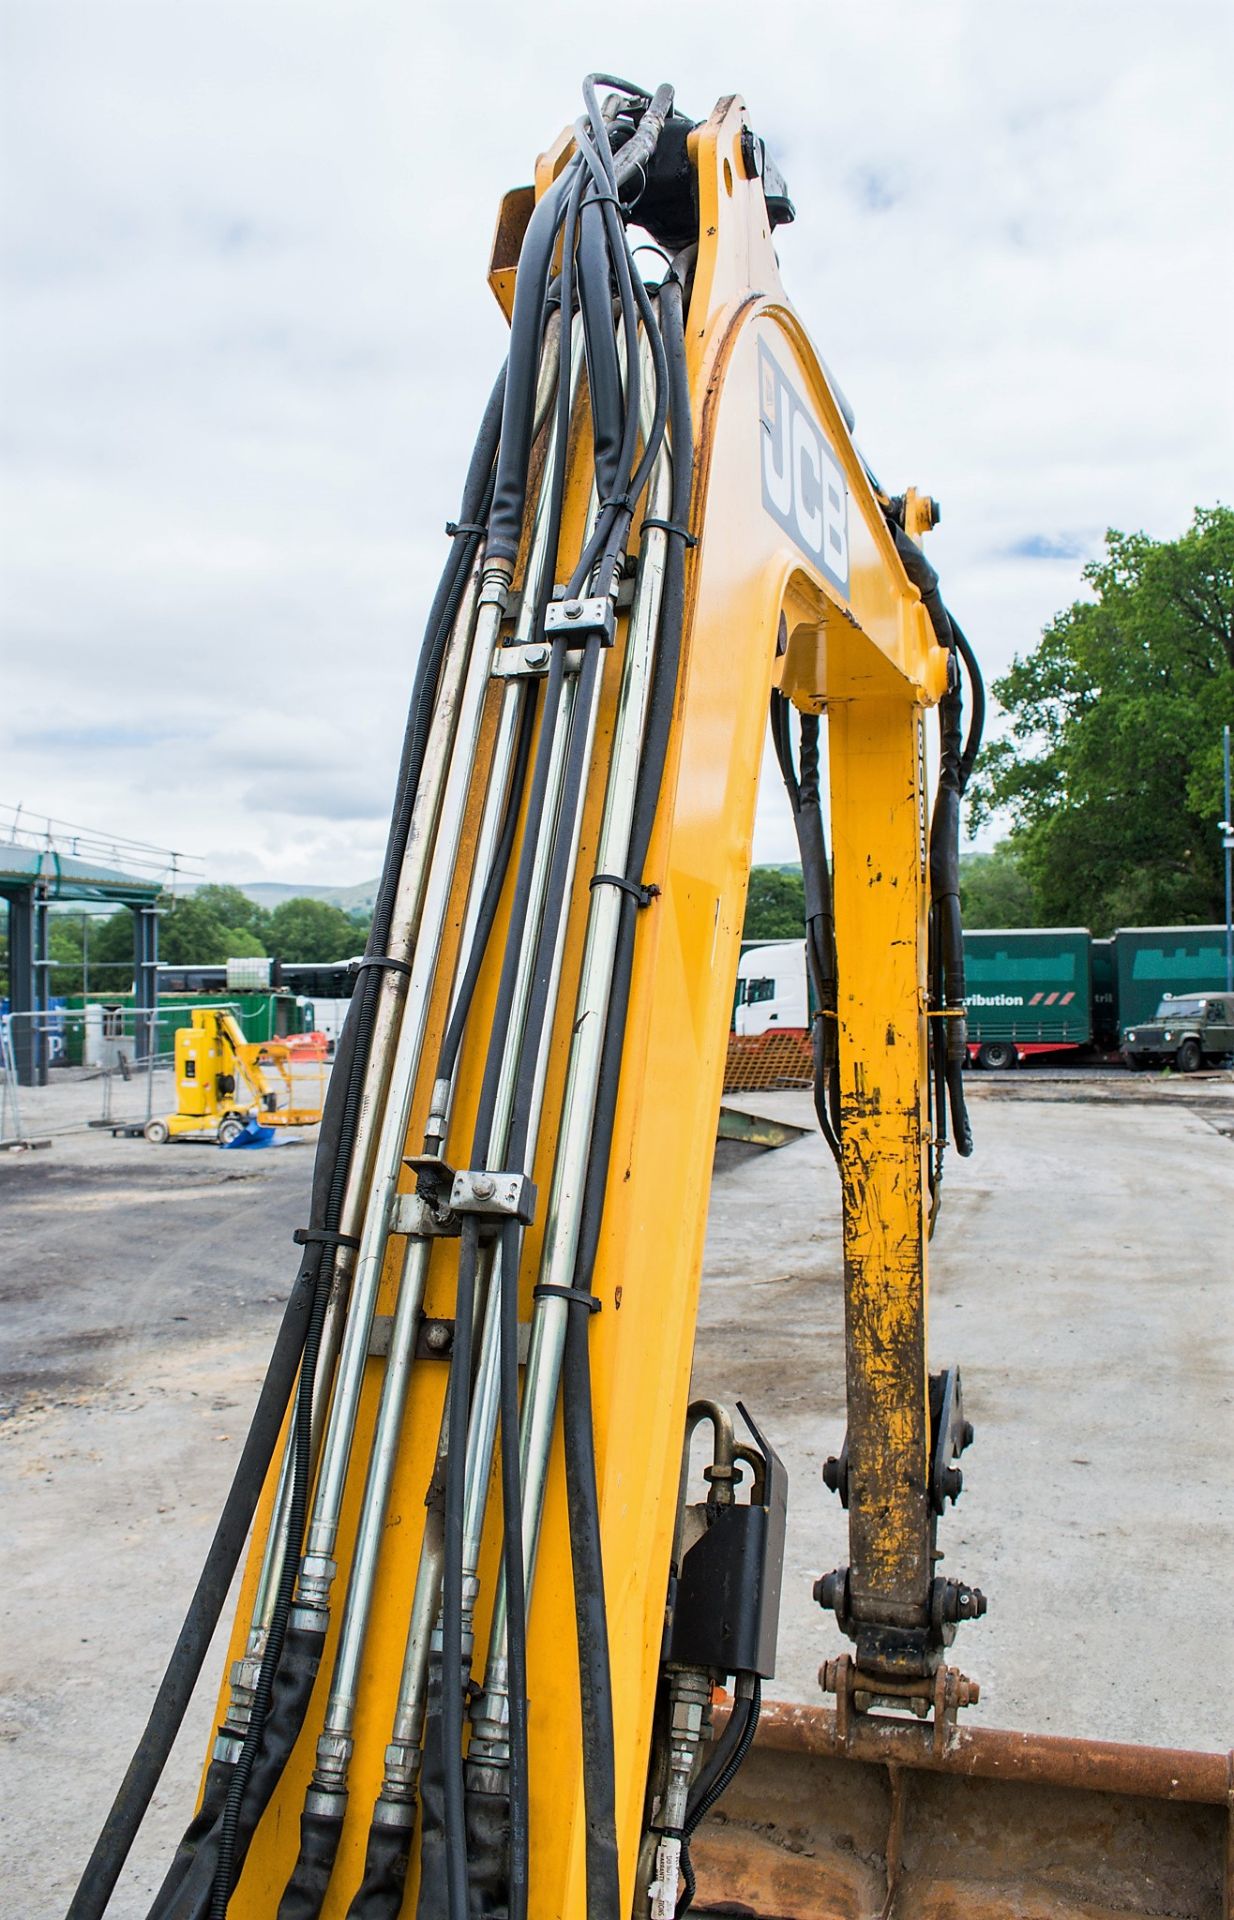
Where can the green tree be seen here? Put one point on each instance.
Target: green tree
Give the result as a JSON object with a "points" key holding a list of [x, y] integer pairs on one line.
{"points": [[311, 930], [775, 905], [192, 934], [235, 910], [995, 891], [1111, 768], [111, 947]]}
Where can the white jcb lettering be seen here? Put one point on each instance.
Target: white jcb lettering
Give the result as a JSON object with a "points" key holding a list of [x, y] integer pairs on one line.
{"points": [[835, 518], [807, 481], [777, 466], [803, 483]]}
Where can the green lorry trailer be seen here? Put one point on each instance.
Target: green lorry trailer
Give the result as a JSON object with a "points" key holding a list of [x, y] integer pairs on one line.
{"points": [[1055, 989]]}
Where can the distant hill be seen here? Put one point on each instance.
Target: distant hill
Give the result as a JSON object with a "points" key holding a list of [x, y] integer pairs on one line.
{"points": [[272, 893]]}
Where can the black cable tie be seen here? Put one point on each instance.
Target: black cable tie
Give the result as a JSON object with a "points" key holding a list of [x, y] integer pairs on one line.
{"points": [[605, 200], [455, 527], [621, 500], [643, 895], [322, 1237], [671, 526], [573, 1295], [381, 960]]}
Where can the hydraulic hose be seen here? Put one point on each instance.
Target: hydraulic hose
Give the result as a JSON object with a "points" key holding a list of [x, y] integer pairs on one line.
{"points": [[305, 1892], [331, 1169], [603, 1891], [946, 933], [603, 372], [531, 287], [599, 555], [322, 1818], [806, 807], [145, 1769]]}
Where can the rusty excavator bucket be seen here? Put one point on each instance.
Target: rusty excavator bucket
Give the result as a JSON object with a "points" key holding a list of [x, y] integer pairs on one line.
{"points": [[870, 1821]]}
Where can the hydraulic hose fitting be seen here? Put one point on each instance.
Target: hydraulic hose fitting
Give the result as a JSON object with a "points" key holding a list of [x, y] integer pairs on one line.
{"points": [[490, 1725], [689, 1705], [242, 1693], [312, 1608], [334, 1751], [437, 1124], [399, 1783], [495, 584]]}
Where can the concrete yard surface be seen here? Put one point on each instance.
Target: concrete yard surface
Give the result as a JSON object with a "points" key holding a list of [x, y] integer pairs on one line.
{"points": [[1080, 1275]]}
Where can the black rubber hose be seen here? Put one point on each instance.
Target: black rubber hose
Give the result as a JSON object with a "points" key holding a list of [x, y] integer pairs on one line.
{"points": [[293, 1686], [976, 725], [434, 1894], [820, 918], [242, 1808], [145, 1768], [603, 1895], [637, 151], [339, 1120], [806, 808], [491, 899], [716, 1763], [603, 371], [305, 1892], [955, 765], [515, 1575], [607, 172], [555, 902], [214, 1794], [386, 1860], [612, 524], [453, 1809], [945, 906], [531, 286], [925, 579]]}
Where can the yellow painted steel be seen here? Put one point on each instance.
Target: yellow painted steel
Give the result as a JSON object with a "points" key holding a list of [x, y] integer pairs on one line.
{"points": [[759, 612]]}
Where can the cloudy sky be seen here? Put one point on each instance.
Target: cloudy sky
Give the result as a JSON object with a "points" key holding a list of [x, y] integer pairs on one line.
{"points": [[246, 339]]}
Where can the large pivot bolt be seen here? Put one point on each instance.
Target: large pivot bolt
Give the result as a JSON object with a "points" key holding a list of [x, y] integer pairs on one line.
{"points": [[835, 1473], [952, 1601], [831, 1593]]}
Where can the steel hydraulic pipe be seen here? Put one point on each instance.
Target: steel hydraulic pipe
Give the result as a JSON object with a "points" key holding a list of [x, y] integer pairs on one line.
{"points": [[409, 901], [482, 1431], [409, 1713], [543, 1373], [407, 906], [317, 1569], [482, 1425], [334, 1744]]}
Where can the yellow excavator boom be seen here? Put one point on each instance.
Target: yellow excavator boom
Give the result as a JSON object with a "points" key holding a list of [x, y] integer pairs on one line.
{"points": [[487, 1604]]}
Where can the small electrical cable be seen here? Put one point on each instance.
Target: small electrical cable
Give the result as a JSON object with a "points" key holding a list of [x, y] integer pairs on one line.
{"points": [[714, 1782]]}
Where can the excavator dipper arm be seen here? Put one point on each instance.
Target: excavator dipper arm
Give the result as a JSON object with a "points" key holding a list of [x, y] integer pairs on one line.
{"points": [[482, 1622]]}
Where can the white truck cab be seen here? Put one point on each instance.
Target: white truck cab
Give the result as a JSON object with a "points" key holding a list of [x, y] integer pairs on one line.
{"points": [[771, 987]]}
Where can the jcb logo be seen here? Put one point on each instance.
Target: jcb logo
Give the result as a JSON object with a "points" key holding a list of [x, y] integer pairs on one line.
{"points": [[803, 486]]}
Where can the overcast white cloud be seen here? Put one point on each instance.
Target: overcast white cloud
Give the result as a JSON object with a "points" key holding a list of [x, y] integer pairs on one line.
{"points": [[246, 340]]}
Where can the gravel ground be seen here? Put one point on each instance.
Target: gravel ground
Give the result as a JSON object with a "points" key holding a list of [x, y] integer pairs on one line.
{"points": [[1080, 1275]]}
